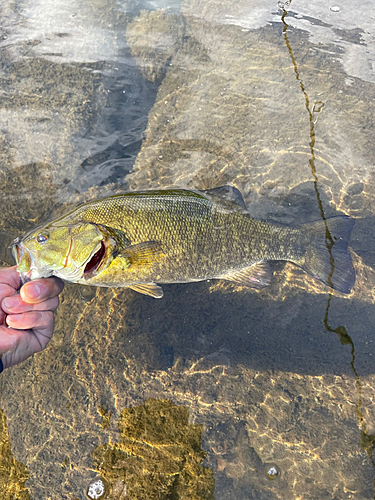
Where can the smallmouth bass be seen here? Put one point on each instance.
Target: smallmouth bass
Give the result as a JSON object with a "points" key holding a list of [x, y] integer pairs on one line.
{"points": [[139, 239]]}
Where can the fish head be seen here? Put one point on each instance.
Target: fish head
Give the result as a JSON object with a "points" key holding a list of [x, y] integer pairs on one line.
{"points": [[66, 251]]}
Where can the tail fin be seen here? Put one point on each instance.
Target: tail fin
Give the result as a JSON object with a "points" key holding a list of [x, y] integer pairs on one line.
{"points": [[326, 256]]}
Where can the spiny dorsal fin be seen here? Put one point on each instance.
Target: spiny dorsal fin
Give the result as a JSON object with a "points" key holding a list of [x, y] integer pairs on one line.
{"points": [[143, 254], [150, 289], [227, 193], [257, 276]]}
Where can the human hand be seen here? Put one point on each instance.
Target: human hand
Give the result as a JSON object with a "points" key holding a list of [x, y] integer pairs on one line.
{"points": [[28, 314]]}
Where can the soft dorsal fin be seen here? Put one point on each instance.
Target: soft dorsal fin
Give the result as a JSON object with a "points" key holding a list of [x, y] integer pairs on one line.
{"points": [[142, 254], [257, 276], [227, 193], [150, 289]]}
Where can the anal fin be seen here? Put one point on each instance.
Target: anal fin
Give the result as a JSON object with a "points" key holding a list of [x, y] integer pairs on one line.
{"points": [[150, 289], [257, 276]]}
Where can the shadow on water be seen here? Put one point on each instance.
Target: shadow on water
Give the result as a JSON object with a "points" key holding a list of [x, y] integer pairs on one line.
{"points": [[237, 328]]}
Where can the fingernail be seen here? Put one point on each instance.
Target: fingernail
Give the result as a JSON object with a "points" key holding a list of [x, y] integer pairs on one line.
{"points": [[34, 291], [10, 302], [13, 318]]}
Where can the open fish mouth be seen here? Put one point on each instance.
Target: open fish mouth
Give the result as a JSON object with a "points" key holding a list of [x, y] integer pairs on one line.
{"points": [[95, 261], [23, 260], [16, 250]]}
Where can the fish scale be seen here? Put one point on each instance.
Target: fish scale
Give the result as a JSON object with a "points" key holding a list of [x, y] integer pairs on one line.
{"points": [[139, 239]]}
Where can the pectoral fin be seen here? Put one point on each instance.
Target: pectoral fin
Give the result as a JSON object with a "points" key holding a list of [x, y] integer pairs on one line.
{"points": [[148, 289], [142, 254], [257, 276]]}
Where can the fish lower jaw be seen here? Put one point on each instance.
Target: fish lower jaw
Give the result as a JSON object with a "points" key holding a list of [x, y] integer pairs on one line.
{"points": [[25, 277], [34, 274]]}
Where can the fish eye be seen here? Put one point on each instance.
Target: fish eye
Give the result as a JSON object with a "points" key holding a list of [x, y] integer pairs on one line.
{"points": [[42, 237]]}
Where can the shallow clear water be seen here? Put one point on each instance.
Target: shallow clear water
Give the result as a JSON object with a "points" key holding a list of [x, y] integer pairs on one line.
{"points": [[278, 99]]}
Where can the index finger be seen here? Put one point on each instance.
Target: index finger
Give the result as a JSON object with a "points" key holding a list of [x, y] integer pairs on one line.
{"points": [[9, 276], [39, 290]]}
